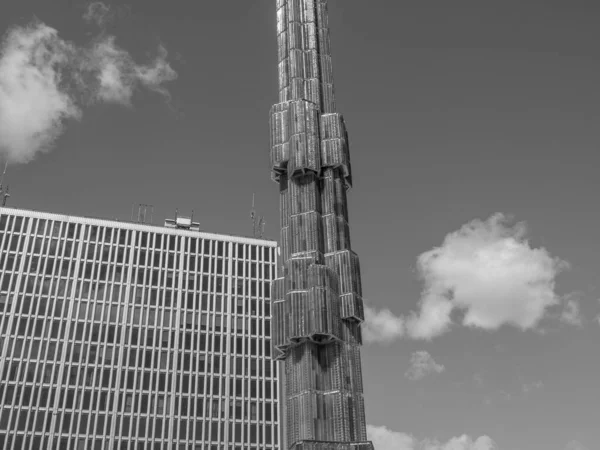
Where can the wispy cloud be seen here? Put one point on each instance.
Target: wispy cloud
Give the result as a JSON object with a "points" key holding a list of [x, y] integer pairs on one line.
{"points": [[463, 442], [98, 13], [382, 326], [385, 439], [46, 81], [502, 395], [117, 75], [421, 365], [571, 314], [487, 270]]}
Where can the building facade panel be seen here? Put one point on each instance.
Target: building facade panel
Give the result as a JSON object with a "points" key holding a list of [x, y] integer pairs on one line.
{"points": [[127, 336]]}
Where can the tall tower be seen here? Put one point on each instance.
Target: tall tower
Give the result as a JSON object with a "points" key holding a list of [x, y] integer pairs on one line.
{"points": [[317, 304]]}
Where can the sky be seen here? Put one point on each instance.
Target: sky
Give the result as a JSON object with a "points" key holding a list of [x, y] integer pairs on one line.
{"points": [[474, 141]]}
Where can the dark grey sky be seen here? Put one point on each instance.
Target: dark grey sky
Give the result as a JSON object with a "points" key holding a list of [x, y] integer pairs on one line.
{"points": [[456, 110]]}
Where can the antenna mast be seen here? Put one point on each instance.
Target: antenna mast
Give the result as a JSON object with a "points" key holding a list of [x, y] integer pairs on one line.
{"points": [[258, 223], [143, 211], [4, 191]]}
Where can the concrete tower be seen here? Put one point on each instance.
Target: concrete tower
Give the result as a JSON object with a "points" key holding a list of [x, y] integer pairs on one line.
{"points": [[317, 304]]}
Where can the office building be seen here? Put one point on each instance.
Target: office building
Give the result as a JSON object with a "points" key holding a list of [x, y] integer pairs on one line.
{"points": [[118, 336], [317, 302]]}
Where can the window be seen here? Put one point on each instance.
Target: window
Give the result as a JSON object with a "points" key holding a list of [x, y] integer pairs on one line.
{"points": [[128, 403]]}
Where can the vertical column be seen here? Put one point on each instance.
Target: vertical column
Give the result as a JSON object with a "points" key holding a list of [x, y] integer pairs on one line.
{"points": [[317, 304]]}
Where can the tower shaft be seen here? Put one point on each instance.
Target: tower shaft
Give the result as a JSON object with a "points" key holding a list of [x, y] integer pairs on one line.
{"points": [[317, 303]]}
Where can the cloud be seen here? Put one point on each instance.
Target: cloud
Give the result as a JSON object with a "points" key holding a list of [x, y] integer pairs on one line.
{"points": [[117, 75], [421, 365], [385, 439], [571, 314], [45, 81], [382, 326], [98, 13], [463, 442], [488, 271], [33, 102]]}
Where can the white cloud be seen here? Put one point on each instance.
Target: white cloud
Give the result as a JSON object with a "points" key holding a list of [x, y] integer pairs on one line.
{"points": [[385, 439], [488, 271], [113, 68], [44, 81], [571, 314], [382, 326], [153, 75], [33, 103], [421, 365], [463, 442], [117, 75]]}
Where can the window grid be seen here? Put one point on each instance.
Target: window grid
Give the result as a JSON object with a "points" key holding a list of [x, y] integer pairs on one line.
{"points": [[130, 338]]}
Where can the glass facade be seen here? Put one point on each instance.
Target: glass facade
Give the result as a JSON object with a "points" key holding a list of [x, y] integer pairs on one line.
{"points": [[126, 336]]}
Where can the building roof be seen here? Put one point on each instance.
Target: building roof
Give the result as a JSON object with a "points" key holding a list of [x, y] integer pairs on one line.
{"points": [[126, 225]]}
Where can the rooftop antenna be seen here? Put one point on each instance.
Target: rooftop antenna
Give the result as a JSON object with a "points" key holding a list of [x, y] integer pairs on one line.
{"points": [[261, 227], [5, 196], [4, 191], [143, 211], [2, 177], [258, 222]]}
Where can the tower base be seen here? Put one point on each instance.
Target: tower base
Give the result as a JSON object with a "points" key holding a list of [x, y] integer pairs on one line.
{"points": [[326, 445]]}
